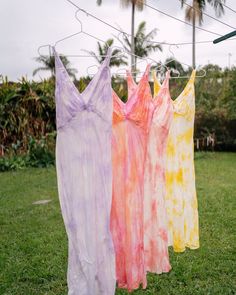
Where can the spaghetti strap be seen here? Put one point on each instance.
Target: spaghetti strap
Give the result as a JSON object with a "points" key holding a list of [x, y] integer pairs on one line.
{"points": [[156, 84], [146, 73], [167, 79], [108, 57], [192, 77]]}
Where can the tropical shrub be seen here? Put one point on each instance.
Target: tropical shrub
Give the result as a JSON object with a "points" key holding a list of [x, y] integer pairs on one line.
{"points": [[27, 114]]}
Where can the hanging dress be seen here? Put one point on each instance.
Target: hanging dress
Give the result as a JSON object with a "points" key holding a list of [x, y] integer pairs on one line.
{"points": [[155, 218], [181, 199], [84, 173], [130, 124]]}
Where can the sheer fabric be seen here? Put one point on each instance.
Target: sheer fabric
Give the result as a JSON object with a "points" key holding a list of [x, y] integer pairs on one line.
{"points": [[181, 199], [84, 173], [130, 125], [155, 219]]}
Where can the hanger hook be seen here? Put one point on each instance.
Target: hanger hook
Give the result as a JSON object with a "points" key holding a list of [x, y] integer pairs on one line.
{"points": [[203, 75], [76, 16], [42, 46], [72, 35], [81, 27]]}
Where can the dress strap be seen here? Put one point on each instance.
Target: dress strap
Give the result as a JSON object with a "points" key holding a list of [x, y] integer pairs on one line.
{"points": [[55, 53], [156, 83], [154, 77], [192, 77], [167, 79], [58, 62], [108, 57], [146, 73]]}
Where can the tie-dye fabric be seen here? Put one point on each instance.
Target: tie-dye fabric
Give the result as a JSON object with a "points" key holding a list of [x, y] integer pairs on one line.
{"points": [[84, 173], [181, 199], [156, 83], [130, 125], [155, 219]]}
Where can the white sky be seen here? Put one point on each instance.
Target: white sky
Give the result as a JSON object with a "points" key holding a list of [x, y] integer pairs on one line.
{"points": [[27, 24]]}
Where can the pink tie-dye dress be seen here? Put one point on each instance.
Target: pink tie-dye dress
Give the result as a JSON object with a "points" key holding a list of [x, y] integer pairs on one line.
{"points": [[130, 125], [155, 218]]}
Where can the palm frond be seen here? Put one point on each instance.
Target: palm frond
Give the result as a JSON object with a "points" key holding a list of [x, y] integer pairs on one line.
{"points": [[93, 54], [100, 49], [49, 64], [127, 41], [125, 3], [39, 69], [150, 35], [141, 29], [217, 4], [139, 4]]}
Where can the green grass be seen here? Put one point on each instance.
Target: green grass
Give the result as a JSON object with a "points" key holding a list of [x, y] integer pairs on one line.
{"points": [[33, 244]]}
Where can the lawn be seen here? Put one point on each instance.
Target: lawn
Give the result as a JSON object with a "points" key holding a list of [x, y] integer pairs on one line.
{"points": [[33, 247]]}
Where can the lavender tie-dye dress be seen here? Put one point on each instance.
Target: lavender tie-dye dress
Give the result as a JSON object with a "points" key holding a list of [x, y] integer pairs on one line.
{"points": [[84, 172]]}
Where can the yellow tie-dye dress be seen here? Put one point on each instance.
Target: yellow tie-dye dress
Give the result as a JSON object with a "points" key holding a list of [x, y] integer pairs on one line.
{"points": [[181, 199]]}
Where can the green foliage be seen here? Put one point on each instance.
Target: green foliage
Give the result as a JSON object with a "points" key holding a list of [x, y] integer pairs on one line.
{"points": [[12, 163], [119, 85], [143, 45], [216, 104], [39, 154], [26, 109], [82, 83], [48, 63], [102, 52]]}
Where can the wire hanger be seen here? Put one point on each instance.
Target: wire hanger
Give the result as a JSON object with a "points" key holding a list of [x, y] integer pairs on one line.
{"points": [[161, 68], [189, 66], [121, 49], [81, 31], [165, 65], [123, 71]]}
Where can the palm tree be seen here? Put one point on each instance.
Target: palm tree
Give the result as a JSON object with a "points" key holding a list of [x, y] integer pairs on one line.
{"points": [[48, 64], [175, 65], [102, 52], [195, 12], [142, 43], [139, 4], [172, 64]]}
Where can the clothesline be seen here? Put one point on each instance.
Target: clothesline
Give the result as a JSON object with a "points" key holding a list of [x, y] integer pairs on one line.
{"points": [[154, 42]]}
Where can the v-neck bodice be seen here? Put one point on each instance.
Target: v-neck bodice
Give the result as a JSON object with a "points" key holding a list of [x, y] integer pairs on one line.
{"points": [[70, 102], [136, 109]]}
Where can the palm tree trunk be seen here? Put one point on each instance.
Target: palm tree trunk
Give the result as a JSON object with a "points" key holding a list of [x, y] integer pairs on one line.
{"points": [[194, 36], [132, 38]]}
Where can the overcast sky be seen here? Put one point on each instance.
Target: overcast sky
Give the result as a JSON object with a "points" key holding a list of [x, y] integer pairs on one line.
{"points": [[27, 24]]}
